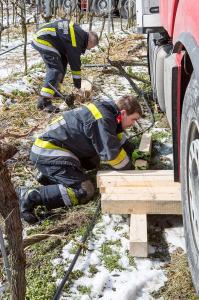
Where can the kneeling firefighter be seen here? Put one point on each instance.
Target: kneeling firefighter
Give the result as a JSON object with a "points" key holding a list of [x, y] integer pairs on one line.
{"points": [[75, 142]]}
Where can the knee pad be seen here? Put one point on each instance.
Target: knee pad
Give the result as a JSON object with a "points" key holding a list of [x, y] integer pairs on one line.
{"points": [[88, 187]]}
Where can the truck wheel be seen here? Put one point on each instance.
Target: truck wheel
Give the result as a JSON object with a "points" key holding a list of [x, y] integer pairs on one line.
{"points": [[123, 8], [69, 5], [101, 6], [189, 168]]}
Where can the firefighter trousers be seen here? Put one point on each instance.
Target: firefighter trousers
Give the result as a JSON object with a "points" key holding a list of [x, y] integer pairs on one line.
{"points": [[56, 67], [63, 186]]}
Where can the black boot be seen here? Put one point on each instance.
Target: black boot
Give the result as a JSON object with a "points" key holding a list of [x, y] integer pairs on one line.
{"points": [[29, 199], [46, 104]]}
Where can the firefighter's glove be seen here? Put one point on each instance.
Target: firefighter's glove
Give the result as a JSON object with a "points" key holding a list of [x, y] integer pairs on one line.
{"points": [[137, 154], [69, 100]]}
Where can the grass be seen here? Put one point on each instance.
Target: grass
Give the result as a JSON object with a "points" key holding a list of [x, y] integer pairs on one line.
{"points": [[179, 284]]}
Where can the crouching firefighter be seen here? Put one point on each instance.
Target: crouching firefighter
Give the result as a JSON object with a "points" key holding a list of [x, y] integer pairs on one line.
{"points": [[75, 142], [59, 43]]}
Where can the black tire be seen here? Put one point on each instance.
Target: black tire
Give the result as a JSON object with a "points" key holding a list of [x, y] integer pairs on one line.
{"points": [[100, 6], [124, 9], [189, 168]]}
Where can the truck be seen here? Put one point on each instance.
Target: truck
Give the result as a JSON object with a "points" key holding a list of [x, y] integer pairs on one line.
{"points": [[101, 6], [172, 29]]}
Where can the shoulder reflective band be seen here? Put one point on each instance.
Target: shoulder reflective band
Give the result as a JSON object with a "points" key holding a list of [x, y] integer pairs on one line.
{"points": [[56, 120], [121, 156], [94, 111], [72, 34], [44, 31]]}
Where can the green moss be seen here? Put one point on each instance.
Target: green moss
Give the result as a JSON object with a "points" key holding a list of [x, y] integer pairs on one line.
{"points": [[84, 289], [40, 283], [93, 270], [109, 256]]}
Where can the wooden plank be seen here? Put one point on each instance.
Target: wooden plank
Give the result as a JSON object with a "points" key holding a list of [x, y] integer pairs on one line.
{"points": [[127, 178], [146, 143], [144, 203], [159, 189], [144, 147], [138, 236]]}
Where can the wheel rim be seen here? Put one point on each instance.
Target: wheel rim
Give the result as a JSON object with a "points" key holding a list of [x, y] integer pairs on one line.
{"points": [[193, 183], [68, 4], [102, 5]]}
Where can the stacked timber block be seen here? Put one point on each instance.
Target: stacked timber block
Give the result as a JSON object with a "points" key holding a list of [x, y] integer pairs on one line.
{"points": [[139, 193]]}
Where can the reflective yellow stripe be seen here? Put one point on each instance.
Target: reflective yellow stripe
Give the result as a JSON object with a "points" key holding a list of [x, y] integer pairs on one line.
{"points": [[42, 42], [45, 29], [72, 196], [47, 90], [56, 120], [47, 145], [120, 136], [121, 156], [94, 110], [72, 34], [76, 72]]}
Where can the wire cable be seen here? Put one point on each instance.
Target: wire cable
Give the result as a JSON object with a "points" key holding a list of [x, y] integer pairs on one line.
{"points": [[82, 242]]}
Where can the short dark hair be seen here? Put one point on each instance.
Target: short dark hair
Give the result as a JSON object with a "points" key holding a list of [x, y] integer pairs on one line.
{"points": [[130, 104], [94, 37]]}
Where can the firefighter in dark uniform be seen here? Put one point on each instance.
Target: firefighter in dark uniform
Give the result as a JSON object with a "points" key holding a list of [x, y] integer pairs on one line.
{"points": [[75, 142], [59, 43]]}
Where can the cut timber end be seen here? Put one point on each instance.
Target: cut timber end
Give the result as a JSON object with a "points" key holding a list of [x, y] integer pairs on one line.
{"points": [[138, 236], [141, 164]]}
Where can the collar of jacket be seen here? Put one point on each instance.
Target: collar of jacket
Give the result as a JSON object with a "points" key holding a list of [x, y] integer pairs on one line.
{"points": [[85, 43]]}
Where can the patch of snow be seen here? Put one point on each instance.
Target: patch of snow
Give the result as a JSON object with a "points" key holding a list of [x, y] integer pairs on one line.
{"points": [[175, 238]]}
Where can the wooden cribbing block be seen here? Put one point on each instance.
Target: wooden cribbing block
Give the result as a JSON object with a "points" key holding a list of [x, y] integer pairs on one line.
{"points": [[138, 236], [135, 178], [87, 86], [142, 203], [151, 189], [145, 148]]}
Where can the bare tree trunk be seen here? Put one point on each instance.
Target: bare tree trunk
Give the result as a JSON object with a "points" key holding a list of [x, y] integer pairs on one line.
{"points": [[9, 208], [102, 29]]}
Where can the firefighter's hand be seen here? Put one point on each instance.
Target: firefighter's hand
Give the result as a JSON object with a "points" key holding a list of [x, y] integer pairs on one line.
{"points": [[79, 95]]}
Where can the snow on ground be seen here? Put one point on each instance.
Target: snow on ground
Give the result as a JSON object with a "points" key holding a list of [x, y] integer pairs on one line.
{"points": [[128, 280]]}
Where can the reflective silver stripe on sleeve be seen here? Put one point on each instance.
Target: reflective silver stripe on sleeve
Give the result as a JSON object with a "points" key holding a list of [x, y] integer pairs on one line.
{"points": [[122, 164], [52, 152], [56, 125], [76, 76], [64, 195], [46, 47]]}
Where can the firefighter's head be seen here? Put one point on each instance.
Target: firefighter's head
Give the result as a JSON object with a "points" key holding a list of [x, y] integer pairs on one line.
{"points": [[130, 110], [93, 40]]}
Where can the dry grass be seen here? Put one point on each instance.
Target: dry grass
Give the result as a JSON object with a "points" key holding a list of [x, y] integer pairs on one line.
{"points": [[179, 284]]}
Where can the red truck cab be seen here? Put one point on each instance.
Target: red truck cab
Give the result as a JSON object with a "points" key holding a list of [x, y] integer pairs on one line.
{"points": [[172, 28]]}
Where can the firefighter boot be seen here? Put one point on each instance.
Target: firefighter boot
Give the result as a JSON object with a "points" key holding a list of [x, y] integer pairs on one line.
{"points": [[50, 196], [46, 104], [29, 199]]}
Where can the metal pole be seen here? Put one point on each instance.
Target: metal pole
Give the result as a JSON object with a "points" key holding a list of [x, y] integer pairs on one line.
{"points": [[5, 258], [109, 16]]}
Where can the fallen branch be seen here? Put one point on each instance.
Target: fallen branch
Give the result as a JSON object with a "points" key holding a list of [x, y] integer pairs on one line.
{"points": [[18, 135]]}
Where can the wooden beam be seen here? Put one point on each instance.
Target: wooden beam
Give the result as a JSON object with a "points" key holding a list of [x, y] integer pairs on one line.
{"points": [[137, 189], [138, 236], [145, 148], [126, 178], [143, 203]]}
